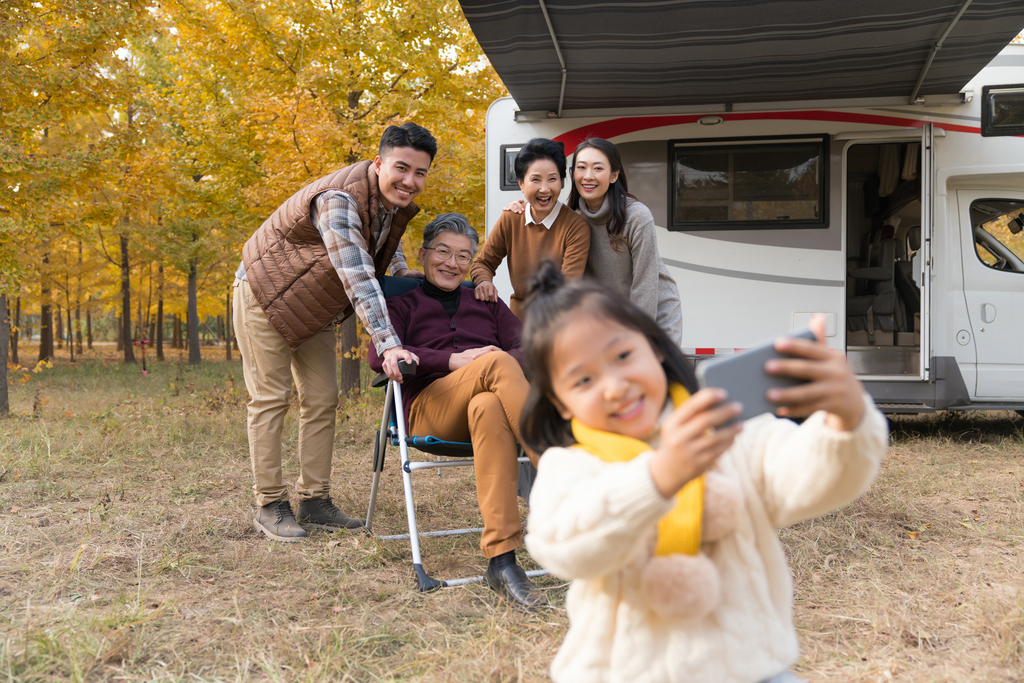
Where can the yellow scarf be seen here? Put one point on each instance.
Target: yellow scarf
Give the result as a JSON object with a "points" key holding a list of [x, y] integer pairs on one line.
{"points": [[678, 531]]}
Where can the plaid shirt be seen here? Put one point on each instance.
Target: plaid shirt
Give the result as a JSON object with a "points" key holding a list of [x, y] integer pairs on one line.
{"points": [[337, 218]]}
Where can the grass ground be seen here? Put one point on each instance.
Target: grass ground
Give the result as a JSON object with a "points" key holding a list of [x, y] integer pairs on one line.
{"points": [[129, 554]]}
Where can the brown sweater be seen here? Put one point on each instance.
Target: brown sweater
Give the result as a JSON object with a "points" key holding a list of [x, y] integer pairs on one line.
{"points": [[567, 243]]}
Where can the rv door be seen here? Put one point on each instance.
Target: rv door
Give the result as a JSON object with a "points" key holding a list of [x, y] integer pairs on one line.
{"points": [[992, 253], [927, 233]]}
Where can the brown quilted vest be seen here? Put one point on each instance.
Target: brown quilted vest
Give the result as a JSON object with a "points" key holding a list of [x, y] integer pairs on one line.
{"points": [[286, 260]]}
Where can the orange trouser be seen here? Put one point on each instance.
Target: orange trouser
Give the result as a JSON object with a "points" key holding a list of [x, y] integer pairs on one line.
{"points": [[269, 365], [481, 403]]}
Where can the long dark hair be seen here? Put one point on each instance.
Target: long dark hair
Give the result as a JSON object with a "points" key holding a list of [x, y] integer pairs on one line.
{"points": [[617, 191], [550, 302]]}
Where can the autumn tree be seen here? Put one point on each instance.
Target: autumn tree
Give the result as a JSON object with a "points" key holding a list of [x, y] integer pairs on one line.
{"points": [[161, 134]]}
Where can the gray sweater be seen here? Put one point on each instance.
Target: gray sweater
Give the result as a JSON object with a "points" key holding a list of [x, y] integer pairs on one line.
{"points": [[636, 269]]}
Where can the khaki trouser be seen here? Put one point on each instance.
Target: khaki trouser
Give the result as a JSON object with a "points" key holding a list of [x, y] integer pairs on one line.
{"points": [[481, 403], [269, 366]]}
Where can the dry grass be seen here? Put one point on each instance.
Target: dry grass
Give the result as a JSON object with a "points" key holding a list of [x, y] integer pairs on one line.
{"points": [[129, 553]]}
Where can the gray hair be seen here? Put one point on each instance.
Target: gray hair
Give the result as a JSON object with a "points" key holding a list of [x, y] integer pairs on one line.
{"points": [[454, 223]]}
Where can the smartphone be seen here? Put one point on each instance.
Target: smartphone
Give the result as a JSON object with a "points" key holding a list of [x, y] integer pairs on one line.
{"points": [[743, 376]]}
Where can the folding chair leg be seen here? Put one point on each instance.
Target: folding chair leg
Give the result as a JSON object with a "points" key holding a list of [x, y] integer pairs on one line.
{"points": [[426, 583], [380, 446]]}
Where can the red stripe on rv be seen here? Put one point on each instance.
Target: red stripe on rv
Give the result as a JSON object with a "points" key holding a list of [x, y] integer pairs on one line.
{"points": [[631, 124], [704, 352]]}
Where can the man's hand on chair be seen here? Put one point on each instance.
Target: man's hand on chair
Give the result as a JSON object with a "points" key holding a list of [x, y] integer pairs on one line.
{"points": [[464, 358], [391, 358]]}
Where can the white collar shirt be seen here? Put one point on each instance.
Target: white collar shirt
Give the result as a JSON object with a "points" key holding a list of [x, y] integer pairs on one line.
{"points": [[549, 220]]}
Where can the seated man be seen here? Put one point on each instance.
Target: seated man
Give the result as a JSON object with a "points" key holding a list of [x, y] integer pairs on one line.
{"points": [[469, 386]]}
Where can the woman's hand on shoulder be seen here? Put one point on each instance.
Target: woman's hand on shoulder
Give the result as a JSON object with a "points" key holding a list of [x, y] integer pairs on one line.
{"points": [[486, 291], [832, 385], [518, 206], [692, 439]]}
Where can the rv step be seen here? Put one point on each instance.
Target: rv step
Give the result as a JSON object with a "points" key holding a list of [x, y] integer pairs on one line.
{"points": [[908, 408]]}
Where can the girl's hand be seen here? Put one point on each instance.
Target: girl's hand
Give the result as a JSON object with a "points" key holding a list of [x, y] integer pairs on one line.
{"points": [[518, 206], [486, 291], [833, 386], [691, 441]]}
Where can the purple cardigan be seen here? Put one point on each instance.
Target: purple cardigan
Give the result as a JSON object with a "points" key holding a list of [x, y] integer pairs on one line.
{"points": [[425, 329]]}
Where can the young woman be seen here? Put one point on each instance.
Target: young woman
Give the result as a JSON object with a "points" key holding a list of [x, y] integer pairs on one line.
{"points": [[545, 230], [623, 244], [662, 514]]}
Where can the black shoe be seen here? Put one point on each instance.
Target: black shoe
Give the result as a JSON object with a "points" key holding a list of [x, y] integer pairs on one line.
{"points": [[277, 522], [320, 513], [512, 582]]}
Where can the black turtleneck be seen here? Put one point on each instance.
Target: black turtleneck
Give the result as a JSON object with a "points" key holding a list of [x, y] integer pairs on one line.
{"points": [[449, 300]]}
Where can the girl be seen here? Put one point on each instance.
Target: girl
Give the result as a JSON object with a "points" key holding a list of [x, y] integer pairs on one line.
{"points": [[662, 514], [623, 244], [544, 231]]}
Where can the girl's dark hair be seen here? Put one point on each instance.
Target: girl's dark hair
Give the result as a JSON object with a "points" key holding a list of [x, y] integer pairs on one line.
{"points": [[549, 304], [617, 191], [536, 149]]}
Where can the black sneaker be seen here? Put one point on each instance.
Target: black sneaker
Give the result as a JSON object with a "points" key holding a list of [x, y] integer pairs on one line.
{"points": [[320, 513], [277, 521]]}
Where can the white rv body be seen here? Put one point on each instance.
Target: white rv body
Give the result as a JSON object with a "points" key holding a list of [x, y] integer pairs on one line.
{"points": [[741, 286]]}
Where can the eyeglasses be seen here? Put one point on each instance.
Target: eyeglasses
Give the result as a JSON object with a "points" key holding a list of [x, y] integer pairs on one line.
{"points": [[444, 253]]}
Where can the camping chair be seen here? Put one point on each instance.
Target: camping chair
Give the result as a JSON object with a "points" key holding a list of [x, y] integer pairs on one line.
{"points": [[447, 453]]}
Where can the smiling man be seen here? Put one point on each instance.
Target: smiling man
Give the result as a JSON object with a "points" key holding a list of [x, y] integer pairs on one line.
{"points": [[314, 261], [469, 386]]}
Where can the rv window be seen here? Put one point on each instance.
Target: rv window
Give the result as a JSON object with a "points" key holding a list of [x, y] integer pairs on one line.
{"points": [[749, 183], [998, 226], [1002, 110], [508, 166]]}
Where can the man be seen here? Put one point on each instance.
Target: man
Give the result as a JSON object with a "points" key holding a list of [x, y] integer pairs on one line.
{"points": [[316, 260], [469, 386]]}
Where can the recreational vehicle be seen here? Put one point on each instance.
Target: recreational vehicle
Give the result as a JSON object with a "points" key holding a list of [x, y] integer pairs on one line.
{"points": [[862, 160]]}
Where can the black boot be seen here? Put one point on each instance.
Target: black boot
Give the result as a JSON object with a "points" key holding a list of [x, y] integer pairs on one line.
{"points": [[510, 580], [320, 513]]}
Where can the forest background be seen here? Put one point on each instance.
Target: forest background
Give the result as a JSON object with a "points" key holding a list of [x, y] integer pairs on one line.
{"points": [[143, 141]]}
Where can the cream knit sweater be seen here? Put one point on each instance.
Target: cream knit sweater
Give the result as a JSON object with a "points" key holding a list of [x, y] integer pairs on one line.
{"points": [[594, 522]]}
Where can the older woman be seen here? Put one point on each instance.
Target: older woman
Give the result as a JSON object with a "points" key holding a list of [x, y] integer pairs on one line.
{"points": [[469, 386]]}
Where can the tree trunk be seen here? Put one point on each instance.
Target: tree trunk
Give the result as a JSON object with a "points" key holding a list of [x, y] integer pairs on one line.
{"points": [[88, 329], [46, 313], [5, 335], [59, 331], [160, 314], [228, 336], [126, 302], [177, 332], [194, 357], [16, 332], [120, 335], [71, 338], [349, 357], [78, 301]]}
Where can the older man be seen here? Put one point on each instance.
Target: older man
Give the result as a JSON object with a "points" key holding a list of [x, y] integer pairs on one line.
{"points": [[469, 386]]}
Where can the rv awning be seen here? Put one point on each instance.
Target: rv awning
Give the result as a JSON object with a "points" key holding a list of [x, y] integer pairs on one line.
{"points": [[622, 54]]}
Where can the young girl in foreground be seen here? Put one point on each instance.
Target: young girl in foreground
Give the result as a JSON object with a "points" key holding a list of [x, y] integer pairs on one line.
{"points": [[662, 516]]}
